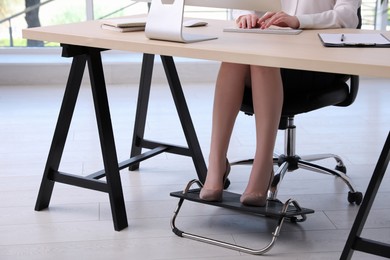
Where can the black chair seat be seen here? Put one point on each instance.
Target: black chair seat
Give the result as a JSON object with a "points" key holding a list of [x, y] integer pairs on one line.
{"points": [[298, 102]]}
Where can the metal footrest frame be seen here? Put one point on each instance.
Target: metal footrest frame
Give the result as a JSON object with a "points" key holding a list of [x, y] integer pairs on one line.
{"points": [[290, 209]]}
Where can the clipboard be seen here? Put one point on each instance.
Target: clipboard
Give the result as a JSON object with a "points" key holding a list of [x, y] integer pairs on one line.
{"points": [[377, 40]]}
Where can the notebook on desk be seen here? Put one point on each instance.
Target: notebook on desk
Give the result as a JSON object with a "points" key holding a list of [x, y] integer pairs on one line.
{"points": [[273, 30], [125, 22]]}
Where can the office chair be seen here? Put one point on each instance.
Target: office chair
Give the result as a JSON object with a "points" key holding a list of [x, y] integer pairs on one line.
{"points": [[342, 93]]}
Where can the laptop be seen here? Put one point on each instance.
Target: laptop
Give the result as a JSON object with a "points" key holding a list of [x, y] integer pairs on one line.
{"points": [[165, 18]]}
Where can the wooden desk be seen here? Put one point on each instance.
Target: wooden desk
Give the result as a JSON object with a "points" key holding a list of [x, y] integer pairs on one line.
{"points": [[84, 42], [303, 51]]}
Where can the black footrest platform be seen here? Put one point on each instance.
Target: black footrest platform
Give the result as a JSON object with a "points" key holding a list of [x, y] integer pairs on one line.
{"points": [[274, 208]]}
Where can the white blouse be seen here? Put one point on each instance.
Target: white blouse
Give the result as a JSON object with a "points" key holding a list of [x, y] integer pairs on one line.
{"points": [[317, 14]]}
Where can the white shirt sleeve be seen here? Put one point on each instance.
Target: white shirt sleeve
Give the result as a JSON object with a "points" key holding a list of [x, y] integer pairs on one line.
{"points": [[318, 14]]}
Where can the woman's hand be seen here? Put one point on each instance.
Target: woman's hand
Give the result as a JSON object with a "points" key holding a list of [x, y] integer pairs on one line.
{"points": [[248, 21], [279, 19]]}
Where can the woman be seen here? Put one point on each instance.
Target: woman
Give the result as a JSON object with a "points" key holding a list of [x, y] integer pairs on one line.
{"points": [[267, 91]]}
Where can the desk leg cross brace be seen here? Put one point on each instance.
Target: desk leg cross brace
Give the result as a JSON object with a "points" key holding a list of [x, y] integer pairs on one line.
{"points": [[290, 209], [139, 142]]}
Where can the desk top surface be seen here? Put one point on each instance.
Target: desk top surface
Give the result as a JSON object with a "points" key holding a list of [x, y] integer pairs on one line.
{"points": [[303, 51]]}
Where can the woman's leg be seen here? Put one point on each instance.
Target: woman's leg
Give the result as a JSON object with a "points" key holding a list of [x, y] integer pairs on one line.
{"points": [[267, 94], [227, 101]]}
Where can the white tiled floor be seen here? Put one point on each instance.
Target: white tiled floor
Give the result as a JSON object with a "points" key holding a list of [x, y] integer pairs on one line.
{"points": [[78, 222]]}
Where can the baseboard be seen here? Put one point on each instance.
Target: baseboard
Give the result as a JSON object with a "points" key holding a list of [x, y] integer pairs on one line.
{"points": [[119, 68]]}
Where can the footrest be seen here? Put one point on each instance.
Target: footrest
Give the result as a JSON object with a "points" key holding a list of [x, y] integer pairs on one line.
{"points": [[274, 208]]}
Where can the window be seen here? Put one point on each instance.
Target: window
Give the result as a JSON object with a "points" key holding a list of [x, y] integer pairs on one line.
{"points": [[49, 12], [375, 14], [13, 16]]}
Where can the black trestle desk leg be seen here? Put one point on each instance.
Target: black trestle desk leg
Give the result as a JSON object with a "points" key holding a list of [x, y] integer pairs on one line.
{"points": [[142, 106], [185, 117], [107, 142], [61, 131], [355, 241]]}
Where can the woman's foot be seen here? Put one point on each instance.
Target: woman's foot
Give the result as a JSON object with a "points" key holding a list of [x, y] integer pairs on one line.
{"points": [[255, 198], [215, 194]]}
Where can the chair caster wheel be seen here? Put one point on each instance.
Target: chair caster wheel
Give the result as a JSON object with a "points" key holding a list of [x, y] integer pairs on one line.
{"points": [[355, 197], [342, 169], [227, 184]]}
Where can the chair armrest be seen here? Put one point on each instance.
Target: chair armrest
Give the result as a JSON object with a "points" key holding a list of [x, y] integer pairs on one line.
{"points": [[353, 90]]}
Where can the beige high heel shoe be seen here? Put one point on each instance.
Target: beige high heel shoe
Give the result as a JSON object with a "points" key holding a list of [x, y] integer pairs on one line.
{"points": [[255, 199], [215, 195]]}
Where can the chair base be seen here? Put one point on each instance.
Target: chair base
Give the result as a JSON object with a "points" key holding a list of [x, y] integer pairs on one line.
{"points": [[292, 163]]}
